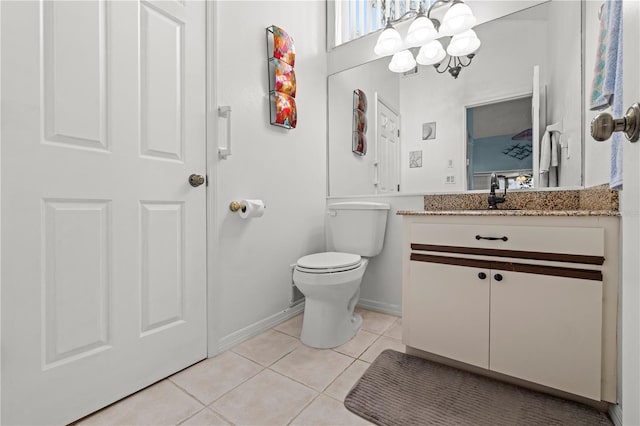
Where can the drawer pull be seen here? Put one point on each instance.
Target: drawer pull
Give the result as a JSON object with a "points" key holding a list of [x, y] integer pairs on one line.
{"points": [[482, 275], [480, 237], [497, 277]]}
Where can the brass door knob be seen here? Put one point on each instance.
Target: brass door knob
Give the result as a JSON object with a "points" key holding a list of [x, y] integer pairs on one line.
{"points": [[196, 180], [604, 125]]}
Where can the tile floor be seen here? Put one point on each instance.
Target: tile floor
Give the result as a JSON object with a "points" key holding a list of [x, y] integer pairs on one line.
{"points": [[271, 379]]}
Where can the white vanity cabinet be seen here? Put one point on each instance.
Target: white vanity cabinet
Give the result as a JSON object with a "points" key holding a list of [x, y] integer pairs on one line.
{"points": [[532, 297]]}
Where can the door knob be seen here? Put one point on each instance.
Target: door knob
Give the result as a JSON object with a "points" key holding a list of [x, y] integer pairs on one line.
{"points": [[604, 125], [196, 180], [497, 277], [482, 275]]}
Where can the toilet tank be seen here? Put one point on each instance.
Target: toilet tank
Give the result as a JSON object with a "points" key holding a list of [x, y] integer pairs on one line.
{"points": [[357, 227]]}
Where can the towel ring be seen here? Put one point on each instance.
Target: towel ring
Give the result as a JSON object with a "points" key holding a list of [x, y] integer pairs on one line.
{"points": [[604, 125]]}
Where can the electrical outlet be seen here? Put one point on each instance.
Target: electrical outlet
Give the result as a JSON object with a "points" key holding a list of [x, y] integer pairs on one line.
{"points": [[450, 179]]}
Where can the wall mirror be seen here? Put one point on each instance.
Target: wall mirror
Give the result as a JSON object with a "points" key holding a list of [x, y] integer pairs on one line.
{"points": [[421, 137]]}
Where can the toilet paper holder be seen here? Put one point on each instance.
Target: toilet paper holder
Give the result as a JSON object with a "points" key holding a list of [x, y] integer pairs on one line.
{"points": [[236, 205]]}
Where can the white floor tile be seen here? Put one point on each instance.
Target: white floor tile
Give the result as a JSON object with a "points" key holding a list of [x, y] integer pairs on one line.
{"points": [[325, 411], [158, 405], [395, 330], [380, 345], [266, 399], [292, 326], [268, 347], [344, 382], [205, 417], [210, 379], [375, 322], [316, 368], [356, 346]]}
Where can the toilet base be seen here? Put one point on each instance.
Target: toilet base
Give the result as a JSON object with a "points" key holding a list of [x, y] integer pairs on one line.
{"points": [[332, 331]]}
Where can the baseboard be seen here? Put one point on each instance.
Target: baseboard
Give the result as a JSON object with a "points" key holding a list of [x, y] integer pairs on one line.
{"points": [[237, 337], [385, 308], [615, 412]]}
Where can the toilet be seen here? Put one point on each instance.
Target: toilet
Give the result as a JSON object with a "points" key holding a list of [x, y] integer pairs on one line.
{"points": [[330, 281]]}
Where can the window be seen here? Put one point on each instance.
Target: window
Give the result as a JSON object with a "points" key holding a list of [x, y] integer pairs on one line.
{"points": [[356, 18]]}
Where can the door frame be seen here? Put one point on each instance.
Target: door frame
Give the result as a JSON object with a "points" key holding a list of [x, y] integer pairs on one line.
{"points": [[211, 131]]}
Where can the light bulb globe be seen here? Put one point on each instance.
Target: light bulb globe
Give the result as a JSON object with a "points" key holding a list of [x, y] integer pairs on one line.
{"points": [[402, 61], [389, 42], [458, 19]]}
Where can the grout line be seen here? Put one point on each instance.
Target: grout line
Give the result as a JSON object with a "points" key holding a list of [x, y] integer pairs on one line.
{"points": [[304, 408], [187, 392]]}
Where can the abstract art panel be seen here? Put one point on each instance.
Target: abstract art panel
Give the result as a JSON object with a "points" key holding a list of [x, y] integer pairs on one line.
{"points": [[359, 121], [359, 143], [283, 47], [281, 58], [284, 111], [359, 138], [284, 78], [359, 100]]}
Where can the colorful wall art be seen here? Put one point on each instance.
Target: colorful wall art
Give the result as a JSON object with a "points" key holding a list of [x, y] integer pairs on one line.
{"points": [[282, 78], [359, 138]]}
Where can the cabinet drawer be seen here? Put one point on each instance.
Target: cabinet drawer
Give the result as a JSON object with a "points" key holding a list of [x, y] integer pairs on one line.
{"points": [[533, 239]]}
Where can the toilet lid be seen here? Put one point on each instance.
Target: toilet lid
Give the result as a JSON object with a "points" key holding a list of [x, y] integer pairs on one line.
{"points": [[329, 260]]}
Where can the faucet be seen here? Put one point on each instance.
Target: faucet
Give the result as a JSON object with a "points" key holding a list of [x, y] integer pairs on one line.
{"points": [[493, 199]]}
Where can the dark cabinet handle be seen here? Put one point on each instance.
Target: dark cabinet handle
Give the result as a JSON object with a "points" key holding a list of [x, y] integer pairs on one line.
{"points": [[497, 277], [480, 237], [482, 275]]}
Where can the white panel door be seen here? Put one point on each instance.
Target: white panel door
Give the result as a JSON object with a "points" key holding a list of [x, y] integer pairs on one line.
{"points": [[387, 148], [103, 238]]}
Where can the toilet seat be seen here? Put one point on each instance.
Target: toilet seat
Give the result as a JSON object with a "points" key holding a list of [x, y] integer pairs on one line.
{"points": [[328, 262]]}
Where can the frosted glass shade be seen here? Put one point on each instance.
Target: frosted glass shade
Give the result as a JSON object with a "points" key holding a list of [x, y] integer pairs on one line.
{"points": [[402, 62], [458, 19], [389, 42], [431, 53], [421, 31], [463, 44]]}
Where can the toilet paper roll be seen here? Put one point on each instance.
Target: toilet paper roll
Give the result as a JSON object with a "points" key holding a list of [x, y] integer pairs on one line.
{"points": [[251, 208]]}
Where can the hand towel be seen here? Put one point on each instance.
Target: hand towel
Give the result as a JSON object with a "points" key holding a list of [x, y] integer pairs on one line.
{"points": [[607, 80], [615, 38], [545, 159], [604, 74]]}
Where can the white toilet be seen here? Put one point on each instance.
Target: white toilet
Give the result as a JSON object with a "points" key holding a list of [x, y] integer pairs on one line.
{"points": [[331, 281]]}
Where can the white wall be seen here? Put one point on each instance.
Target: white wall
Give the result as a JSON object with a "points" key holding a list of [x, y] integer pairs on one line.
{"points": [[564, 87], [381, 287], [351, 174], [250, 272], [492, 76]]}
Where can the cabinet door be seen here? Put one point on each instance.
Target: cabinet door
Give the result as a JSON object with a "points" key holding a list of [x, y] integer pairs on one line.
{"points": [[448, 311], [547, 330]]}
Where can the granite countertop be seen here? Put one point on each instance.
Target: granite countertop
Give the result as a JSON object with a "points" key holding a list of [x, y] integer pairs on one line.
{"points": [[594, 201], [487, 212]]}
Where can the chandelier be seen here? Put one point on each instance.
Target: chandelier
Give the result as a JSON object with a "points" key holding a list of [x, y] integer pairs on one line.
{"points": [[424, 33]]}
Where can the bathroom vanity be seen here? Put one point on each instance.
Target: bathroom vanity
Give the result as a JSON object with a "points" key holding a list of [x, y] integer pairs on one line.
{"points": [[530, 294]]}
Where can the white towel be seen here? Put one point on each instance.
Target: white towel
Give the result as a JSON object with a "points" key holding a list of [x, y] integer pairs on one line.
{"points": [[549, 159]]}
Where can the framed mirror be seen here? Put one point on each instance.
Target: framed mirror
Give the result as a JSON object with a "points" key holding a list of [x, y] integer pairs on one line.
{"points": [[431, 108]]}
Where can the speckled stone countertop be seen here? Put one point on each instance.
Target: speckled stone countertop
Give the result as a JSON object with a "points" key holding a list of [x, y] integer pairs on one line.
{"points": [[595, 201], [487, 212]]}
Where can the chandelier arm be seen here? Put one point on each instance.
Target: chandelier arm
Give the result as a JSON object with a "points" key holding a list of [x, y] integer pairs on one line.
{"points": [[469, 57], [436, 66], [408, 14]]}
